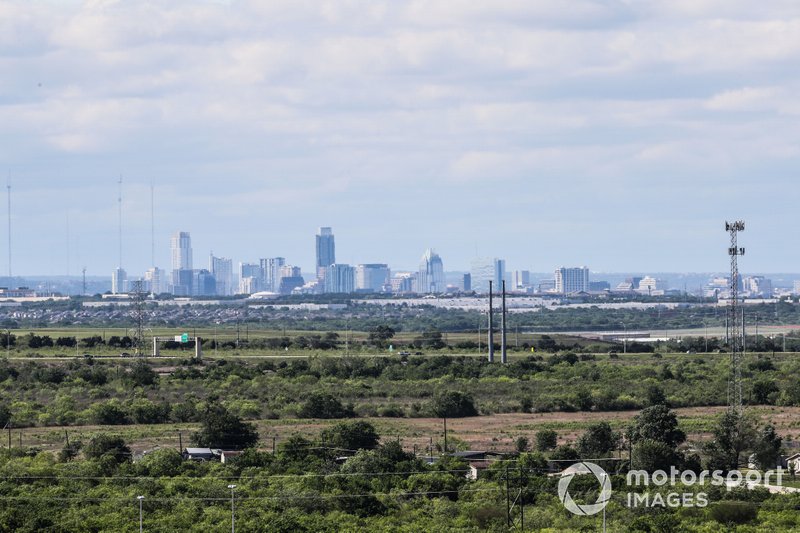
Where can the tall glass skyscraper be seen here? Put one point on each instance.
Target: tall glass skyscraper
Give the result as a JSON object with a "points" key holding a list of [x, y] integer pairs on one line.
{"points": [[181, 247], [326, 250], [485, 269], [431, 273]]}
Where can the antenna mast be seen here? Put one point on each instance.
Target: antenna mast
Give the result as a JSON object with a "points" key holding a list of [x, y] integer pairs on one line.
{"points": [[734, 321], [8, 188], [152, 225], [119, 202]]}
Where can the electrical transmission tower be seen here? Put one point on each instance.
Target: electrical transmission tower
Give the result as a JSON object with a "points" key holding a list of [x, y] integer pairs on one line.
{"points": [[138, 315], [734, 320]]}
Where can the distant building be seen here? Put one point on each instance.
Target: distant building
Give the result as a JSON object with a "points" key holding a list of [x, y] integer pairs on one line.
{"points": [[403, 282], [340, 278], [119, 281], [521, 279], [222, 269], [599, 286], [796, 287], [271, 270], [570, 280], [203, 283], [483, 270], [431, 273], [289, 279], [155, 279], [326, 250], [254, 276], [372, 277], [629, 285], [651, 286], [717, 288], [182, 282], [466, 283], [757, 287], [181, 248]]}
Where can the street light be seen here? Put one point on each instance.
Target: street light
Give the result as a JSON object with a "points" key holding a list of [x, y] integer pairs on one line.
{"points": [[140, 498], [233, 517]]}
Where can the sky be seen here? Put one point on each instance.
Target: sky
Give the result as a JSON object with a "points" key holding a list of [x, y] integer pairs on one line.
{"points": [[614, 134]]}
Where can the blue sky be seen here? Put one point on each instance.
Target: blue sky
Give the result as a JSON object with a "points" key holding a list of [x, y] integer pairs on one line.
{"points": [[615, 134]]}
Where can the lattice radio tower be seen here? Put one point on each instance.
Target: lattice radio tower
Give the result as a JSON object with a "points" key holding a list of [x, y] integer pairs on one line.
{"points": [[138, 294], [734, 320]]}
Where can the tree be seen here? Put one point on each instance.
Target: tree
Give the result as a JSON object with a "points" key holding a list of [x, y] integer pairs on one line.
{"points": [[546, 439], [5, 415], [351, 435], [656, 396], [104, 445], [324, 405], [657, 423], [765, 392], [652, 455], [380, 335], [222, 429], [733, 435], [767, 448], [142, 375], [522, 444], [598, 440], [565, 453], [453, 404]]}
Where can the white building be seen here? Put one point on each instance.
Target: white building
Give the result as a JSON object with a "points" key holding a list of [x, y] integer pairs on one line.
{"points": [[271, 267], [651, 286], [181, 248], [570, 280], [155, 278], [119, 281], [222, 269], [485, 269]]}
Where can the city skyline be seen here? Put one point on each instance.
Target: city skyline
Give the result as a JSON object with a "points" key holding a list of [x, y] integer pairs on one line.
{"points": [[624, 143]]}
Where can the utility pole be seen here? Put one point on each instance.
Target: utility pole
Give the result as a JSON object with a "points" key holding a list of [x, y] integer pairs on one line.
{"points": [[140, 498], [491, 326], [503, 348]]}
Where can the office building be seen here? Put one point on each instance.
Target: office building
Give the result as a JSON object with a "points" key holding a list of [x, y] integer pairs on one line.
{"points": [[251, 278], [289, 279], [182, 282], [340, 278], [757, 287], [403, 282], [222, 270], [155, 280], [571, 280], [271, 269], [372, 277], [485, 269], [466, 283], [119, 281], [326, 250], [203, 283], [431, 274], [628, 285], [521, 279], [181, 248], [651, 286], [599, 286]]}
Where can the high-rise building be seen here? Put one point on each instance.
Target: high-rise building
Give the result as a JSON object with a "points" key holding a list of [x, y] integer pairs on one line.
{"points": [[182, 282], [466, 283], [372, 277], [222, 269], [522, 279], [431, 273], [340, 278], [271, 268], [119, 281], [757, 286], [155, 280], [251, 278], [181, 247], [326, 250], [289, 279], [485, 269], [203, 283], [403, 282], [570, 280]]}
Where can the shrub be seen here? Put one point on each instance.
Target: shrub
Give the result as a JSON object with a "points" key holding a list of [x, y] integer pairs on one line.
{"points": [[324, 405]]}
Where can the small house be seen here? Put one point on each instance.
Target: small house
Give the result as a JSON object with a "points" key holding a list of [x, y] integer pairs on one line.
{"points": [[199, 454], [476, 469]]}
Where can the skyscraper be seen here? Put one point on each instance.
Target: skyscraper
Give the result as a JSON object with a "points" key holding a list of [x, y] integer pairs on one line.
{"points": [[271, 268], [372, 277], [431, 273], [339, 278], [181, 246], [119, 281], [222, 269], [251, 278], [485, 269], [154, 278], [569, 280], [326, 250]]}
